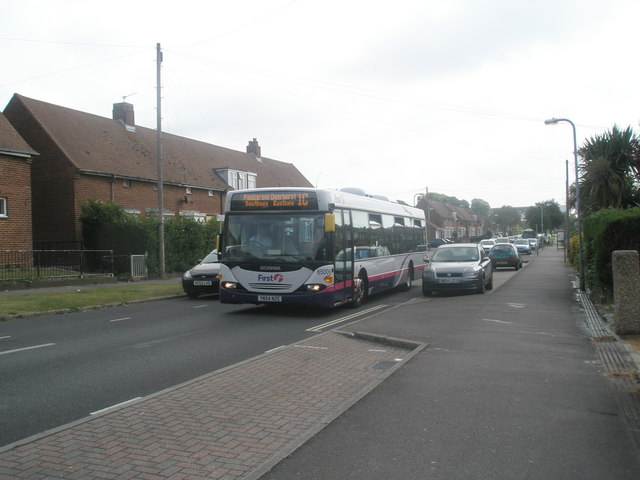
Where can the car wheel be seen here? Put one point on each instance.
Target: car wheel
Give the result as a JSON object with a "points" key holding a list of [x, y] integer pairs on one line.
{"points": [[192, 295], [426, 292], [490, 284], [481, 286]]}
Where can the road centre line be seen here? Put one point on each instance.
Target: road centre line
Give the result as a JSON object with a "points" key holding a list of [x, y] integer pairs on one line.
{"points": [[3, 338], [200, 306], [496, 321], [319, 328], [27, 348], [114, 406], [120, 319]]}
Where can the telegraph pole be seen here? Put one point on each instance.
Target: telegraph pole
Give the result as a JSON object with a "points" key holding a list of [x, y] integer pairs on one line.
{"points": [[159, 156]]}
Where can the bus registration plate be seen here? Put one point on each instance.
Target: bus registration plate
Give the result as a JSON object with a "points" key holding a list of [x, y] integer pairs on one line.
{"points": [[269, 298]]}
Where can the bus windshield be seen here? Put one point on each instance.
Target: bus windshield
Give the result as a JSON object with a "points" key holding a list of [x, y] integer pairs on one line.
{"points": [[280, 237]]}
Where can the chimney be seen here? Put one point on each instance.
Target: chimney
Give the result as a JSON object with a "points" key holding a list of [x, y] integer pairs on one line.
{"points": [[124, 113], [254, 148]]}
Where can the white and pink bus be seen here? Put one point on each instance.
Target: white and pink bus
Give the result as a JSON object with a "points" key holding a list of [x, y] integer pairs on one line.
{"points": [[317, 247]]}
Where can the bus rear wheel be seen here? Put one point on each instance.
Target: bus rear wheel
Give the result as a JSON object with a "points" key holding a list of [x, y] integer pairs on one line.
{"points": [[406, 286]]}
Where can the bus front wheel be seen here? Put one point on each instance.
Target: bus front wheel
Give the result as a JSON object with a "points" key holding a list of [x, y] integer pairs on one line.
{"points": [[359, 292]]}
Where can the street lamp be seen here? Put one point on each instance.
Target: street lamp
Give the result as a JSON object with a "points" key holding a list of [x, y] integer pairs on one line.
{"points": [[555, 121]]}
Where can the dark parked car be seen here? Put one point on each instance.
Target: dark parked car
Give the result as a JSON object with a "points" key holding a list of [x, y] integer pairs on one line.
{"points": [[203, 278], [458, 266], [436, 242], [505, 255]]}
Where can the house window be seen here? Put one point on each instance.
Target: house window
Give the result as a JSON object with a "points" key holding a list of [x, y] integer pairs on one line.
{"points": [[126, 183], [3, 207], [211, 193], [187, 190], [238, 180]]}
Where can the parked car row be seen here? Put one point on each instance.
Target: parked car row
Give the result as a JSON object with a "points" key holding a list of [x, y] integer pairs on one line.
{"points": [[470, 266], [453, 266]]}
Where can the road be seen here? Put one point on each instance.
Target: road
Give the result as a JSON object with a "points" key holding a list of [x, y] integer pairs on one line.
{"points": [[59, 368]]}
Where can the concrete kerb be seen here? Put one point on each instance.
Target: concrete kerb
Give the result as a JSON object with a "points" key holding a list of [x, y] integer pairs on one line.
{"points": [[87, 308], [413, 347]]}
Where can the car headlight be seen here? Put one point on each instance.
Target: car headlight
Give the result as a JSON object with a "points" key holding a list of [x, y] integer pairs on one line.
{"points": [[472, 274], [428, 273], [187, 275]]}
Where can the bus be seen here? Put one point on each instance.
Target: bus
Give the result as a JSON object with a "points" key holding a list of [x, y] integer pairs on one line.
{"points": [[528, 233], [316, 247]]}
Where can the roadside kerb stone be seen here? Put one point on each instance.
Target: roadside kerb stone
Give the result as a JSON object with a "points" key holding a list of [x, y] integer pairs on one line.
{"points": [[237, 422]]}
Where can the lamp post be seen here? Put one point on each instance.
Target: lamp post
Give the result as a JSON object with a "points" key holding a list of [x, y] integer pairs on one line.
{"points": [[555, 121]]}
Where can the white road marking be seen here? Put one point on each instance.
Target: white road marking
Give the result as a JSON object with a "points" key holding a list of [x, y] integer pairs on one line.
{"points": [[200, 306], [114, 406], [516, 305], [8, 336], [275, 349], [120, 319], [27, 348], [496, 321], [319, 328]]}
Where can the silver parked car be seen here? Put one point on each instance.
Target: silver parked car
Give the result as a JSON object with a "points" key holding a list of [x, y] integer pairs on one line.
{"points": [[523, 246], [456, 267]]}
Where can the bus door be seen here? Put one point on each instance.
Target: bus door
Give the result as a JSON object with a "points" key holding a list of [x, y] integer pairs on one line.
{"points": [[343, 255]]}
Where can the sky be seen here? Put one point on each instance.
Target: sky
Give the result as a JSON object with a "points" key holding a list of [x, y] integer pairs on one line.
{"points": [[393, 97]]}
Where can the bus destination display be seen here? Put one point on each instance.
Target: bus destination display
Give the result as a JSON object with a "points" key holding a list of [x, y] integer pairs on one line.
{"points": [[274, 201]]}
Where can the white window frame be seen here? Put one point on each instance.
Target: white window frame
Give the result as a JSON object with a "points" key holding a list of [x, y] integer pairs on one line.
{"points": [[4, 209]]}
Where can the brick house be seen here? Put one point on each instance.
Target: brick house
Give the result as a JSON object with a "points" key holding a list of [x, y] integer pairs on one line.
{"points": [[452, 222], [15, 189], [84, 156]]}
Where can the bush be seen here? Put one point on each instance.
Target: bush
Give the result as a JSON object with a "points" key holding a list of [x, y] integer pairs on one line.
{"points": [[106, 226], [604, 232]]}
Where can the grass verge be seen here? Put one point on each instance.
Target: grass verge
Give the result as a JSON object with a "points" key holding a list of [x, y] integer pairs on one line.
{"points": [[23, 305]]}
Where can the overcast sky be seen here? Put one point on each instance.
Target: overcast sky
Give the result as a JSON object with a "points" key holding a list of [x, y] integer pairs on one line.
{"points": [[389, 96]]}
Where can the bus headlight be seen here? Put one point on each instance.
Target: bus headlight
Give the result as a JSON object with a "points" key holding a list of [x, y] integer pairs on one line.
{"points": [[229, 285], [313, 288]]}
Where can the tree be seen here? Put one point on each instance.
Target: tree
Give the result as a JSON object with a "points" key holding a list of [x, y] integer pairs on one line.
{"points": [[610, 171], [507, 217], [481, 207], [545, 213]]}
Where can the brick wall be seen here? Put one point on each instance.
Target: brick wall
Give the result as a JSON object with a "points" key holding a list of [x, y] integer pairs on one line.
{"points": [[15, 186], [141, 196], [51, 182]]}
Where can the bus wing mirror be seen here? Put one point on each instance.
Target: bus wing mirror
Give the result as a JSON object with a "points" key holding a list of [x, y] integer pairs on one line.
{"points": [[329, 222]]}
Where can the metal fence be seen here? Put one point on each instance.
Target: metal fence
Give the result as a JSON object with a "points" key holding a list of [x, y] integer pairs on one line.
{"points": [[38, 264]]}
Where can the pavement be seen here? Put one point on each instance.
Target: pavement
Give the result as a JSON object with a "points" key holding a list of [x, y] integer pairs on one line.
{"points": [[324, 407]]}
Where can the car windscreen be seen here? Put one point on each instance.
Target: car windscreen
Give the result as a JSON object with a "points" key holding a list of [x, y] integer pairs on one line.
{"points": [[458, 254]]}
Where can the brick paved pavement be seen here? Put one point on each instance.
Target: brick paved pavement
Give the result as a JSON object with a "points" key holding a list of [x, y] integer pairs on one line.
{"points": [[233, 423]]}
